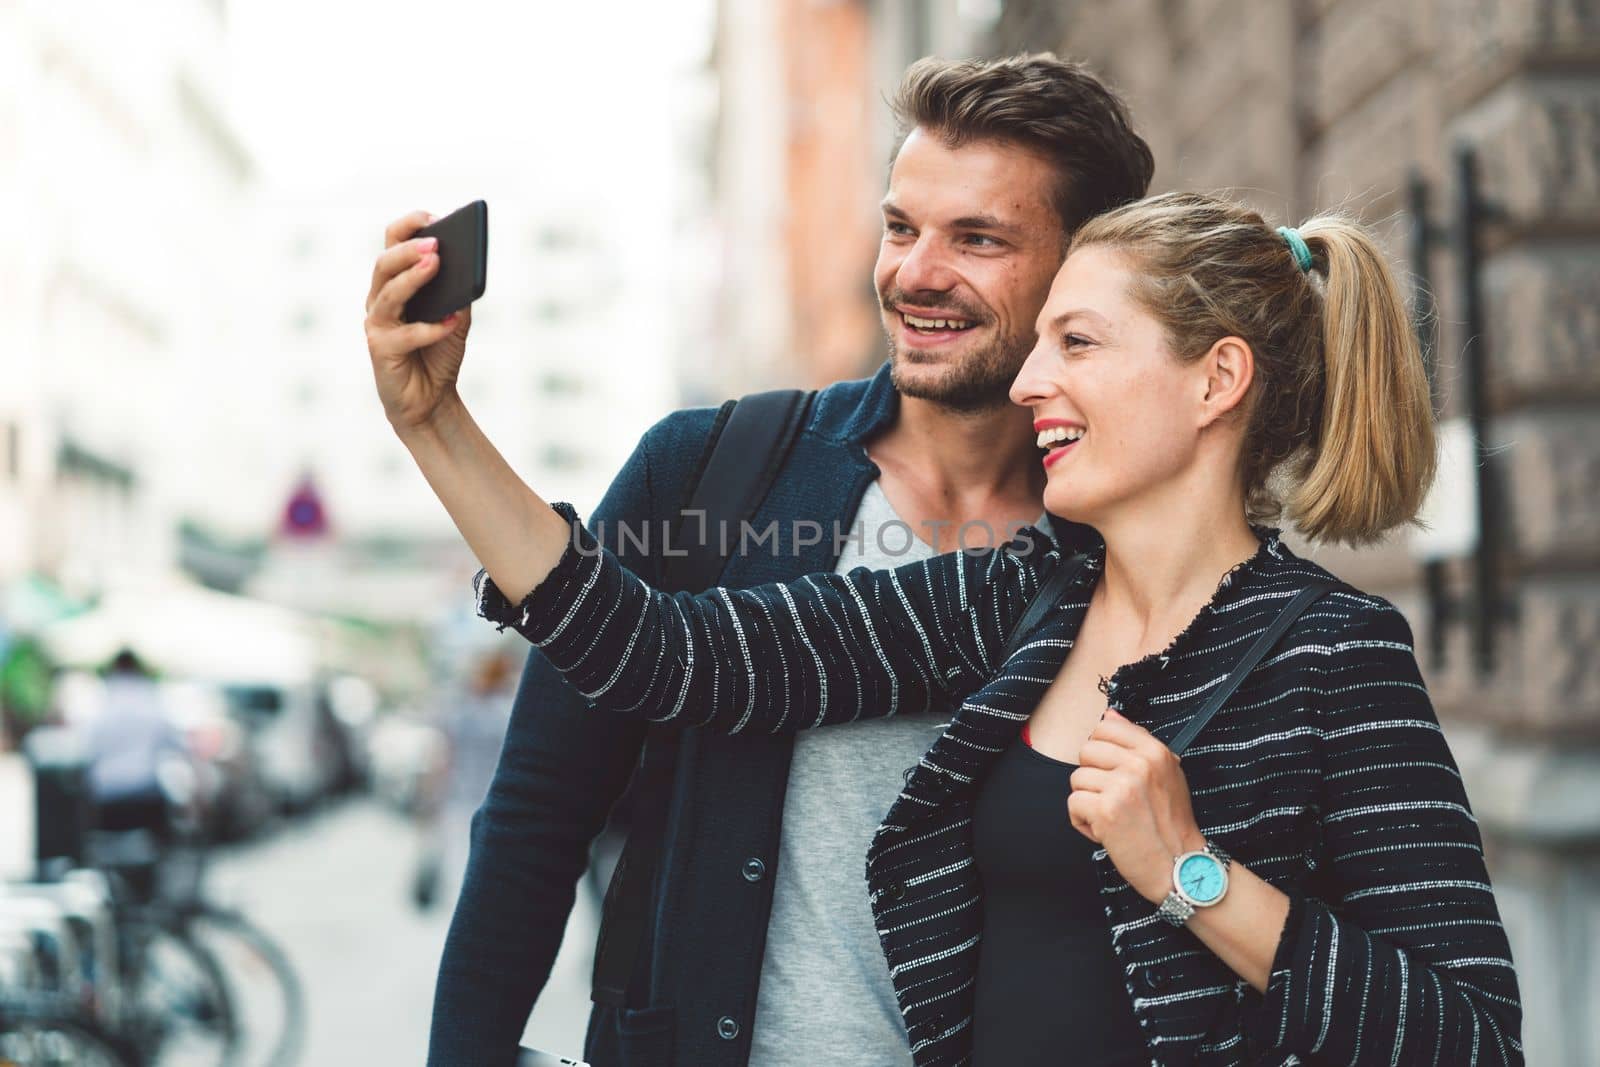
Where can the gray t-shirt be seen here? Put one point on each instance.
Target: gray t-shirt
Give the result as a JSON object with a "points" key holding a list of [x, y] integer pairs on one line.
{"points": [[825, 995]]}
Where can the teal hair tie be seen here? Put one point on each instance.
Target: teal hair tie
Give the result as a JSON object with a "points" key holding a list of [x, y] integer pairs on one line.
{"points": [[1297, 245]]}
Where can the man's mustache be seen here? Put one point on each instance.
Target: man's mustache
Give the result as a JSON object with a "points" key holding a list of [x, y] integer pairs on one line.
{"points": [[927, 299]]}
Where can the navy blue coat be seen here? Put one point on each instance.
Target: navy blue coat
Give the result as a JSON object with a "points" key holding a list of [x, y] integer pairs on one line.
{"points": [[565, 764]]}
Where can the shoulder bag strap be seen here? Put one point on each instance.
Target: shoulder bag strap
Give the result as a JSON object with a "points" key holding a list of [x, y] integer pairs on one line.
{"points": [[749, 443], [1269, 637], [1047, 596]]}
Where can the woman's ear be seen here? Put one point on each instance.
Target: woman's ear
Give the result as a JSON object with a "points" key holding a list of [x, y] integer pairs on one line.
{"points": [[1230, 367]]}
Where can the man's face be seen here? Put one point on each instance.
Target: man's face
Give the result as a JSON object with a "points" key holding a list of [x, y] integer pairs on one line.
{"points": [[970, 245]]}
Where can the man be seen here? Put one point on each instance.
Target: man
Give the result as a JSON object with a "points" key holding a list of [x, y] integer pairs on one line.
{"points": [[761, 950]]}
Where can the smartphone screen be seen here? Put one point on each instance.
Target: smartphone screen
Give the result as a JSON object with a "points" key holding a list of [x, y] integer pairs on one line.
{"points": [[463, 264]]}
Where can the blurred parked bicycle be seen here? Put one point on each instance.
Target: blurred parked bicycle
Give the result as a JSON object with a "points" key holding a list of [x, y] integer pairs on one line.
{"points": [[115, 956]]}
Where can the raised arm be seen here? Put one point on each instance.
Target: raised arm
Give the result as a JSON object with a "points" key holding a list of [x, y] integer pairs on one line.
{"points": [[1404, 960], [827, 648]]}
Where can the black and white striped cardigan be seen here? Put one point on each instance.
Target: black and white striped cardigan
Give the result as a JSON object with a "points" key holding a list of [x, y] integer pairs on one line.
{"points": [[1326, 774]]}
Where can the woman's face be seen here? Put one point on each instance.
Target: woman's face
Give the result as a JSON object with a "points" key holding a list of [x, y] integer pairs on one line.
{"points": [[1123, 415]]}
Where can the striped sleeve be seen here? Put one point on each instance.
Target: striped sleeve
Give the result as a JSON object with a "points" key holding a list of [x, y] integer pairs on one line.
{"points": [[1404, 960], [824, 649]]}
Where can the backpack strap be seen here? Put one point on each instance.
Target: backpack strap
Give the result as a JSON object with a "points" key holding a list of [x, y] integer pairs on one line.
{"points": [[1263, 644], [748, 445]]}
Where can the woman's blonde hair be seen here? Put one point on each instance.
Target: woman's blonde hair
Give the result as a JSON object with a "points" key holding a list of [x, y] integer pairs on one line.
{"points": [[1340, 402]]}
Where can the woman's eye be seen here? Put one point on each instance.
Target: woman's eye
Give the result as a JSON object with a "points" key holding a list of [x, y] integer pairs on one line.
{"points": [[1073, 340]]}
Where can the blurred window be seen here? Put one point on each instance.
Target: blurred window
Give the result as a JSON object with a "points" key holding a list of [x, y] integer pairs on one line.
{"points": [[254, 701]]}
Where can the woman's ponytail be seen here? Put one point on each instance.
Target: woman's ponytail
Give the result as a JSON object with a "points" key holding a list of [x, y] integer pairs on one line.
{"points": [[1339, 431], [1372, 458]]}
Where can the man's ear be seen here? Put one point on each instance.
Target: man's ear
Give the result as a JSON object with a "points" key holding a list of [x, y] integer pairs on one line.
{"points": [[1230, 367]]}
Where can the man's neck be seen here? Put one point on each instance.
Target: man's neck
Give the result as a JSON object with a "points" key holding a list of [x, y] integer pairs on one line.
{"points": [[941, 466]]}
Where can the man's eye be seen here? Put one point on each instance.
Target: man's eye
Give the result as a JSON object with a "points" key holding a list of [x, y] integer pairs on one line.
{"points": [[898, 228], [982, 240]]}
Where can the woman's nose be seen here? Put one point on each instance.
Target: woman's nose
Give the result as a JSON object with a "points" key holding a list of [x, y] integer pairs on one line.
{"points": [[1031, 385]]}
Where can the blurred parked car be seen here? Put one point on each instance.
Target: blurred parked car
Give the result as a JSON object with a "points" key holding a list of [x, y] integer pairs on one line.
{"points": [[235, 799], [300, 745]]}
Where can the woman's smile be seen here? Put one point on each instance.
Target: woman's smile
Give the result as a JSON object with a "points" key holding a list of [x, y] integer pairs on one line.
{"points": [[1058, 437]]}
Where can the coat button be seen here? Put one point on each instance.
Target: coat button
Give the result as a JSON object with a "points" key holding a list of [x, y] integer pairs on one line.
{"points": [[754, 870], [1155, 977], [727, 1028], [907, 773], [894, 891]]}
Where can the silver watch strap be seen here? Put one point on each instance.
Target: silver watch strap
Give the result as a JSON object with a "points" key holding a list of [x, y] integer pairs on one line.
{"points": [[1175, 909]]}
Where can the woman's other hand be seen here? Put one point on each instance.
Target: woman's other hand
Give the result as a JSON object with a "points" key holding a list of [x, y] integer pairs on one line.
{"points": [[1130, 796], [415, 364]]}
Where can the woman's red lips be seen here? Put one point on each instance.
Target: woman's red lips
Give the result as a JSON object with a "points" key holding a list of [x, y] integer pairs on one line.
{"points": [[1057, 452]]}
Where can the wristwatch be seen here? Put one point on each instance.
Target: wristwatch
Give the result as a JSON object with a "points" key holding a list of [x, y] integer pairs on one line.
{"points": [[1199, 880]]}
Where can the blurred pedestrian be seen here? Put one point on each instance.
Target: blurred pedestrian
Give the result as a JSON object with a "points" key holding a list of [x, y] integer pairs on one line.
{"points": [[132, 747], [473, 720]]}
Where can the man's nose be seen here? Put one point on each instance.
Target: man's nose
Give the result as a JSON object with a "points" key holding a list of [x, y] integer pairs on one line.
{"points": [[925, 268]]}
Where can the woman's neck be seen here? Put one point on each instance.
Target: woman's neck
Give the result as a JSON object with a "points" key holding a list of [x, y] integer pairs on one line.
{"points": [[1164, 560]]}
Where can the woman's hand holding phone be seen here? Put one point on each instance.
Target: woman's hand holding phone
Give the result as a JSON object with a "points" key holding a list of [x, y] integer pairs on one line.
{"points": [[415, 364], [515, 535]]}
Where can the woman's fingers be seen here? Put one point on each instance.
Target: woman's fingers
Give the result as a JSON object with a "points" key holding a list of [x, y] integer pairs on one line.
{"points": [[389, 305], [1107, 755], [1118, 730], [1089, 779], [394, 263], [403, 227], [403, 340], [1082, 810]]}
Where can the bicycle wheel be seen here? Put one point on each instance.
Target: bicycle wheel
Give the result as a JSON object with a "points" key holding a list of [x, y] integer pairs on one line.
{"points": [[183, 1004], [60, 1043], [269, 1002]]}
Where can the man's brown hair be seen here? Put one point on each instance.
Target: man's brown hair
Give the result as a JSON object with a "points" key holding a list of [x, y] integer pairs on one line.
{"points": [[1052, 106]]}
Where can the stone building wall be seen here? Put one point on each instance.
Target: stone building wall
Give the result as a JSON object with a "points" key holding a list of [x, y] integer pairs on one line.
{"points": [[1298, 106]]}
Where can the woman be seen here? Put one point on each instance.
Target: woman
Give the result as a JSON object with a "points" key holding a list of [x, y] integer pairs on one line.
{"points": [[1187, 354]]}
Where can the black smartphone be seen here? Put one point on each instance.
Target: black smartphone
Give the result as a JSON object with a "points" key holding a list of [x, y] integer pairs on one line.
{"points": [[535, 1058], [463, 264]]}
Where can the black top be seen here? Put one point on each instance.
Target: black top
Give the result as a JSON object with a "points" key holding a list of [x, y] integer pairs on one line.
{"points": [[1048, 980]]}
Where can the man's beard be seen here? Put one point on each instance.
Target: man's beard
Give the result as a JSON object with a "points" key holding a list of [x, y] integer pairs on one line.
{"points": [[981, 381]]}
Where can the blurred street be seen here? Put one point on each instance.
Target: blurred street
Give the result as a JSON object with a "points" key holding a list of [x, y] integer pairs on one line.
{"points": [[333, 890]]}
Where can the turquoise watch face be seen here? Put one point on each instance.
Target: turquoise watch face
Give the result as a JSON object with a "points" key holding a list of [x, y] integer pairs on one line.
{"points": [[1201, 877]]}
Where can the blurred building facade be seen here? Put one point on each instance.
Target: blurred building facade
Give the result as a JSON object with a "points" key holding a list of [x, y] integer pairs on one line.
{"points": [[800, 162], [124, 175]]}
